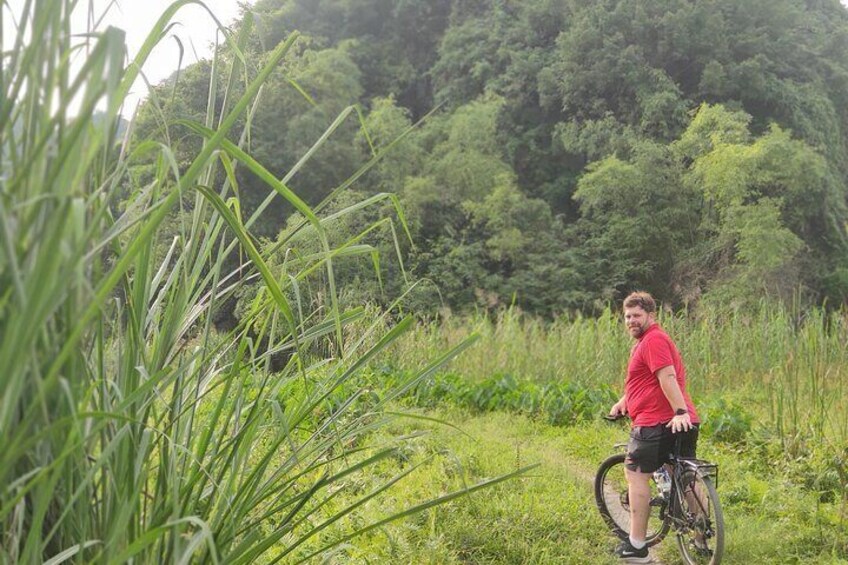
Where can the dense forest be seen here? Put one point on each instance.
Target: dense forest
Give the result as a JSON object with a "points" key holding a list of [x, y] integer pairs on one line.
{"points": [[565, 152]]}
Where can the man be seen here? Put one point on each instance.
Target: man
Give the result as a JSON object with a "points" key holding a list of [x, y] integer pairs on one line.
{"points": [[655, 397]]}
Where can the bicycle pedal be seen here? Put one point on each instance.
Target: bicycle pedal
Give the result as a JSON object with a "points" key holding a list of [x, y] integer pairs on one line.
{"points": [[658, 502]]}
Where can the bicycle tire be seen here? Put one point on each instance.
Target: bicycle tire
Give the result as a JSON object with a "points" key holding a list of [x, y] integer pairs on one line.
{"points": [[611, 499], [710, 525]]}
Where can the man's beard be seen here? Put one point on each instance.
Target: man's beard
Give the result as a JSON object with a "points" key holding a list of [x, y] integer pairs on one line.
{"points": [[637, 331]]}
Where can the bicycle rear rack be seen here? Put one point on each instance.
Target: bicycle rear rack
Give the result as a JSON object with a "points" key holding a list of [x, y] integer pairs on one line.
{"points": [[701, 467]]}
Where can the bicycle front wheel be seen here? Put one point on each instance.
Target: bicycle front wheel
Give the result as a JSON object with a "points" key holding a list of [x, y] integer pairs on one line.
{"points": [[701, 535], [614, 506]]}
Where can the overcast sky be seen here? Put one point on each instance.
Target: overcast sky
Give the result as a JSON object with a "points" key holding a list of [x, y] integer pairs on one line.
{"points": [[196, 31]]}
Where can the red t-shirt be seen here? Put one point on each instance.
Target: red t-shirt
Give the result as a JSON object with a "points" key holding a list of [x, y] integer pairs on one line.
{"points": [[646, 402]]}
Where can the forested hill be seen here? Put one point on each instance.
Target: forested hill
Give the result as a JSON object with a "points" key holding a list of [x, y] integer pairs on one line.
{"points": [[579, 149]]}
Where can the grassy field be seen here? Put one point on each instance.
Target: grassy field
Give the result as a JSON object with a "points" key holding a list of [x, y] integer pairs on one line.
{"points": [[549, 516]]}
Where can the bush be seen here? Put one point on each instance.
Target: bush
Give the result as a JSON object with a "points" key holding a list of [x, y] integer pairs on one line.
{"points": [[727, 421]]}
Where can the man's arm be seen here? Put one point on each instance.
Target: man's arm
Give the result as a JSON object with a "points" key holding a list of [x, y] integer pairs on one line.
{"points": [[671, 390]]}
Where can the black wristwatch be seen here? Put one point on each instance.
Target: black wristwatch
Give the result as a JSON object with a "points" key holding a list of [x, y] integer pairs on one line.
{"points": [[681, 411]]}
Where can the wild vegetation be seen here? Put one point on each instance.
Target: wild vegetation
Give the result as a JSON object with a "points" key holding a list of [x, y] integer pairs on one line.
{"points": [[787, 368], [246, 325], [132, 428]]}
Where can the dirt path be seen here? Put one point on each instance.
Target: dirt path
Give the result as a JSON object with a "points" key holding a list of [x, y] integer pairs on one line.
{"points": [[576, 468], [556, 455]]}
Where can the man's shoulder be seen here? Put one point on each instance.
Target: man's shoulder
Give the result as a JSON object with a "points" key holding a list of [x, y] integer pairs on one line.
{"points": [[658, 335]]}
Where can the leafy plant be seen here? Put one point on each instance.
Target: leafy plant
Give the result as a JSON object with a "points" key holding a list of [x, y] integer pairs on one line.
{"points": [[727, 421]]}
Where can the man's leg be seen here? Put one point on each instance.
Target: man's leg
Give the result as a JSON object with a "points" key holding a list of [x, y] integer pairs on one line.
{"points": [[639, 494], [642, 453], [696, 498]]}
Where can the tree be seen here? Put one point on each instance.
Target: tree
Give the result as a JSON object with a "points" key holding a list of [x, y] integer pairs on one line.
{"points": [[637, 220], [721, 120]]}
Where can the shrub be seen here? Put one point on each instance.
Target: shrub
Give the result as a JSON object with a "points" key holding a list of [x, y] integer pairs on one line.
{"points": [[726, 421]]}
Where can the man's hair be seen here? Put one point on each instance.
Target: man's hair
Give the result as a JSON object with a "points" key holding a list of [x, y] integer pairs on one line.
{"points": [[641, 299]]}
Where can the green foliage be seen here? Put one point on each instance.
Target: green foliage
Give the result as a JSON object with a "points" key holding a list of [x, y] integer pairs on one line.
{"points": [[727, 421], [717, 207], [557, 404], [763, 244], [712, 126], [712, 112], [133, 430], [595, 139], [287, 125], [384, 123], [753, 190], [513, 220], [468, 161], [637, 220], [836, 285], [393, 42]]}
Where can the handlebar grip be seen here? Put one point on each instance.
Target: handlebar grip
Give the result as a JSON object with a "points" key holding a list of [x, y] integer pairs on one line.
{"points": [[615, 418]]}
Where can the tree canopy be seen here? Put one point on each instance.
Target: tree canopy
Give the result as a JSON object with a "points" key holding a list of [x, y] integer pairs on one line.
{"points": [[575, 150]]}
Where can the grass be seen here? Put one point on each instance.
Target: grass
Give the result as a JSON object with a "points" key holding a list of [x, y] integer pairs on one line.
{"points": [[549, 516], [537, 519]]}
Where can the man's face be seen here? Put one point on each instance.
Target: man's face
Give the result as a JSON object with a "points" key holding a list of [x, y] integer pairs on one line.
{"points": [[637, 321]]}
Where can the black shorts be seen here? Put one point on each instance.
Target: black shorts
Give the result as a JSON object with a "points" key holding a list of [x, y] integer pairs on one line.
{"points": [[650, 446]]}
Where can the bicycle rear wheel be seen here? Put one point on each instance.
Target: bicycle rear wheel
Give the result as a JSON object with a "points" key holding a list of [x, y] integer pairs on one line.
{"points": [[701, 537], [613, 504]]}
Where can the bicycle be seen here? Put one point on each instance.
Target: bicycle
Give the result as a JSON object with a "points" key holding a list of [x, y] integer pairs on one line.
{"points": [[689, 504]]}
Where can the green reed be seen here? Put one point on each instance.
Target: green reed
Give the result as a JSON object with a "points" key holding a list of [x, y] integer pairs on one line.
{"points": [[580, 349], [792, 364], [131, 429]]}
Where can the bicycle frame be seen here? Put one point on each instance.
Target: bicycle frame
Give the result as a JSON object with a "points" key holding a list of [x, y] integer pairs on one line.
{"points": [[690, 507]]}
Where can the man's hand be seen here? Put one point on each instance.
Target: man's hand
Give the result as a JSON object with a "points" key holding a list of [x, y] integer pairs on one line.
{"points": [[681, 423], [618, 409]]}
